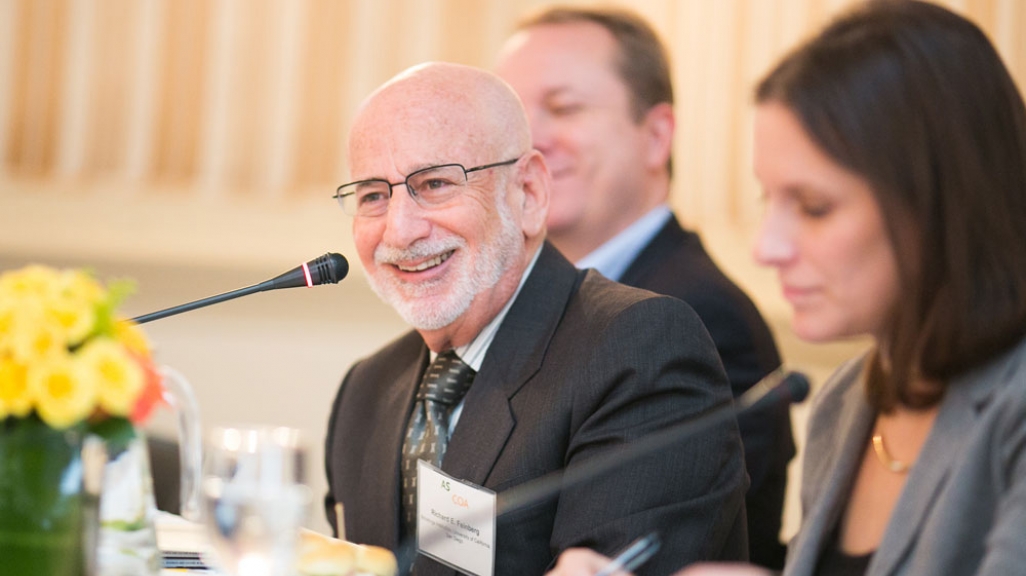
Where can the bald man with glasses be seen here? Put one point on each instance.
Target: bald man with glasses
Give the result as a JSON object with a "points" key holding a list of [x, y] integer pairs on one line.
{"points": [[518, 364]]}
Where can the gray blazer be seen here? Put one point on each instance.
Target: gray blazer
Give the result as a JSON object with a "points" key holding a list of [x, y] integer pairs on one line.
{"points": [[580, 366], [963, 510]]}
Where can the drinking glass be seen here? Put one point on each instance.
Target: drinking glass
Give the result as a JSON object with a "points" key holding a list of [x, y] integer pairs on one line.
{"points": [[255, 500]]}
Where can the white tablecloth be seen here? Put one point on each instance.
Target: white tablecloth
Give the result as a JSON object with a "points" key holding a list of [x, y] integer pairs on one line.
{"points": [[178, 534]]}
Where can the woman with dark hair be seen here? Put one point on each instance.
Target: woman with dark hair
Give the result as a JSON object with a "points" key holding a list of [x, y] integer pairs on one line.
{"points": [[891, 149], [892, 153]]}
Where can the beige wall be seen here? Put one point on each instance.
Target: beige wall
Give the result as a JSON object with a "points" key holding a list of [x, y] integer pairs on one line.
{"points": [[194, 144]]}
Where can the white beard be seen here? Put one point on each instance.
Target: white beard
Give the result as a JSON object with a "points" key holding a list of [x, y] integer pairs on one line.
{"points": [[426, 305]]}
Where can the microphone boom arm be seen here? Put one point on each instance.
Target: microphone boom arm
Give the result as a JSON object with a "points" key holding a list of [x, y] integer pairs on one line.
{"points": [[774, 387], [199, 303], [326, 269]]}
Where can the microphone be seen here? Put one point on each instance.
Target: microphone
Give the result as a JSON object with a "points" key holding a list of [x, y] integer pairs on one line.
{"points": [[777, 386], [326, 269]]}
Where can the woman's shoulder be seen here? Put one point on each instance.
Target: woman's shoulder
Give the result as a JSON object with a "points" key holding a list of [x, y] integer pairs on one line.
{"points": [[999, 388]]}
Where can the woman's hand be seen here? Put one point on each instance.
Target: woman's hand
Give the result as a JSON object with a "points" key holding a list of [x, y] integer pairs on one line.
{"points": [[722, 569], [585, 562], [581, 562]]}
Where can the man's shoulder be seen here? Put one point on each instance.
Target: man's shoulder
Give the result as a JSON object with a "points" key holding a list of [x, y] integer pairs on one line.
{"points": [[676, 263], [599, 298]]}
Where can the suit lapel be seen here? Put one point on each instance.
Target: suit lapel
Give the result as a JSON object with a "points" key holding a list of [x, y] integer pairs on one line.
{"points": [[514, 356], [855, 420], [388, 435]]}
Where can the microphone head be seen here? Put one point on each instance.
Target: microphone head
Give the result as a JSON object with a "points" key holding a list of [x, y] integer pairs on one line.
{"points": [[328, 269], [777, 386], [797, 387]]}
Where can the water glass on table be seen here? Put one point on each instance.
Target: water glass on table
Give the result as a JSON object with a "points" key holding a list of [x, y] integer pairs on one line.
{"points": [[255, 499]]}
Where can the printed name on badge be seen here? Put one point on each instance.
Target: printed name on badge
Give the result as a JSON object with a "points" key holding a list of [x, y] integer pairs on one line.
{"points": [[455, 521]]}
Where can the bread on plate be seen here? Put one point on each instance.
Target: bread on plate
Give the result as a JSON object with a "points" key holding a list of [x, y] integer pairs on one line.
{"points": [[320, 555]]}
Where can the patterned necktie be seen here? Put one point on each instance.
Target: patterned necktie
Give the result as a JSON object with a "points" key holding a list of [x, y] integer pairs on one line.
{"points": [[445, 383]]}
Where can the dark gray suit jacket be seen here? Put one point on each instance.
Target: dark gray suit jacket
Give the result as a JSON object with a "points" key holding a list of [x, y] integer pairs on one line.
{"points": [[963, 509], [579, 366], [676, 264]]}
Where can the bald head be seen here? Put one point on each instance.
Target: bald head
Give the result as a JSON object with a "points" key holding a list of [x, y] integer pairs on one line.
{"points": [[471, 113]]}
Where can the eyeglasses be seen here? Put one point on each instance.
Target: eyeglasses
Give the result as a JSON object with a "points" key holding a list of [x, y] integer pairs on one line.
{"points": [[429, 187]]}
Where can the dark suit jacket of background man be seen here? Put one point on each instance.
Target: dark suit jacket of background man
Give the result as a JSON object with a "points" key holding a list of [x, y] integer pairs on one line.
{"points": [[579, 365], [676, 264]]}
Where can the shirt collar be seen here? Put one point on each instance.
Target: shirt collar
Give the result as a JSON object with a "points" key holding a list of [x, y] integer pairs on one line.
{"points": [[614, 257]]}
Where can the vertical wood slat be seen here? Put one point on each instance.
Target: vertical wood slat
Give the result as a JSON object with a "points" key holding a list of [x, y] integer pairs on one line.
{"points": [[221, 36], [322, 79], [183, 58], [687, 46], [284, 102], [9, 19], [107, 89], [39, 50], [75, 99], [149, 38]]}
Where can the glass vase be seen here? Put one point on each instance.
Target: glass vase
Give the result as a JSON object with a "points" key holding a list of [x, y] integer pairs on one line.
{"points": [[127, 544], [46, 515]]}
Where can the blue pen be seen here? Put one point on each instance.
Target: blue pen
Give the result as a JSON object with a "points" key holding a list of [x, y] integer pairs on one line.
{"points": [[634, 555]]}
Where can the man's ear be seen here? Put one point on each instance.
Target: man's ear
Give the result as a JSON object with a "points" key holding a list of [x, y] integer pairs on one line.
{"points": [[659, 124], [535, 183]]}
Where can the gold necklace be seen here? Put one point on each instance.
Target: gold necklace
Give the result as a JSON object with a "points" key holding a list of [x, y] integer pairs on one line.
{"points": [[896, 466]]}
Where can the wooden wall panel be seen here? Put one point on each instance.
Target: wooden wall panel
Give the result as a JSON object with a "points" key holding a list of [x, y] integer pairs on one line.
{"points": [[246, 102]]}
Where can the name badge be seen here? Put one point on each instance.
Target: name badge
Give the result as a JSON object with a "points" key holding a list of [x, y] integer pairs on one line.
{"points": [[455, 521]]}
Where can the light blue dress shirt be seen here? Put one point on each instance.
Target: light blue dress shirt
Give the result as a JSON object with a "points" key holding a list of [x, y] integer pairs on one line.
{"points": [[614, 257]]}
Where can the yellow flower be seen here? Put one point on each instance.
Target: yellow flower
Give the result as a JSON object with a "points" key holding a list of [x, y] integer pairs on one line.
{"points": [[81, 287], [63, 396], [30, 335], [63, 351], [118, 377], [129, 334], [67, 300], [30, 281], [8, 316], [75, 320], [41, 341], [73, 303], [15, 396]]}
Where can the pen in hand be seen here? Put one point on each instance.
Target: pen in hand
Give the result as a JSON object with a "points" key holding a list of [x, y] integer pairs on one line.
{"points": [[634, 555]]}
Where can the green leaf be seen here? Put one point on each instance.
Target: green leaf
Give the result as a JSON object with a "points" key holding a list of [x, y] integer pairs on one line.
{"points": [[106, 310], [126, 526], [116, 433]]}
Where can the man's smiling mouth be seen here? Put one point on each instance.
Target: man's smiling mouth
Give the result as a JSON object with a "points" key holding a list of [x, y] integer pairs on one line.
{"points": [[437, 260]]}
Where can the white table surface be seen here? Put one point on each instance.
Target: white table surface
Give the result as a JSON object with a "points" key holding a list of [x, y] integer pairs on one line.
{"points": [[178, 534]]}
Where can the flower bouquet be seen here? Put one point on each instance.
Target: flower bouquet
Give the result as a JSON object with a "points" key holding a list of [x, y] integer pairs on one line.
{"points": [[69, 367]]}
